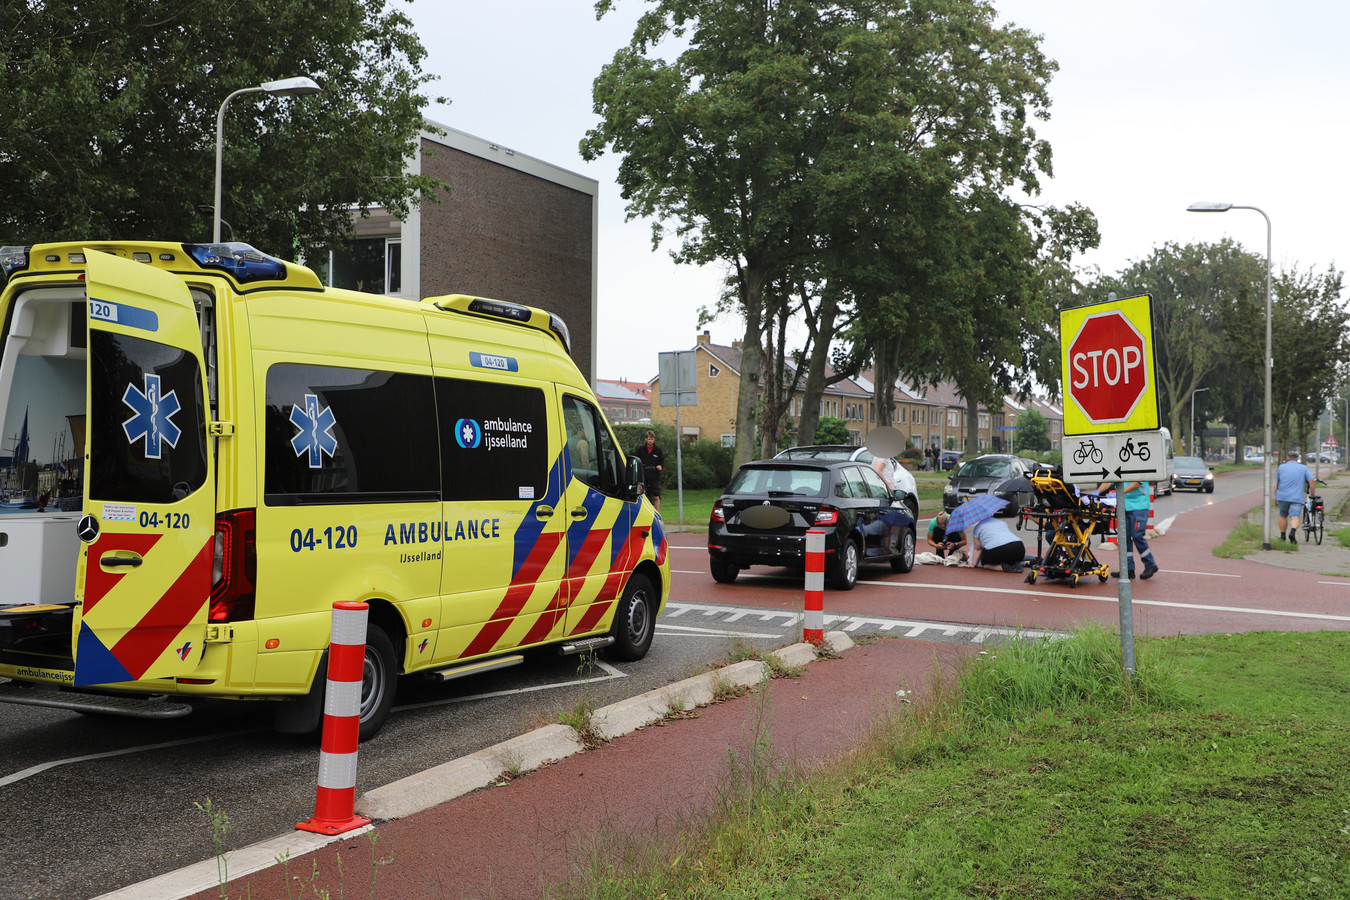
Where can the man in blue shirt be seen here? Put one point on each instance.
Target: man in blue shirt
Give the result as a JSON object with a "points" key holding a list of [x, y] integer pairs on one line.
{"points": [[1290, 479]]}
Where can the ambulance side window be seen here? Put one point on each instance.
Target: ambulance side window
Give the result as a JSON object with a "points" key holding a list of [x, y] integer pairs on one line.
{"points": [[147, 440], [603, 463], [494, 440], [336, 435]]}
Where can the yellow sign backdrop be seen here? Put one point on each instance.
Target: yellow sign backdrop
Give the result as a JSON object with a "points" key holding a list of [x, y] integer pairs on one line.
{"points": [[1108, 379]]}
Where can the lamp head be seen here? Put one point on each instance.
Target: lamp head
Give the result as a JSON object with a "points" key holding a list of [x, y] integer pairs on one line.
{"points": [[291, 87], [1209, 206]]}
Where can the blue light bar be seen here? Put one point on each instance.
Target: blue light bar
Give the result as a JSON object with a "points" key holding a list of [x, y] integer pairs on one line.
{"points": [[241, 261]]}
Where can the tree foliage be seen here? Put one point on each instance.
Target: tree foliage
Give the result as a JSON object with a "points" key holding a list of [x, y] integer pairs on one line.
{"points": [[109, 128], [1032, 433], [816, 148]]}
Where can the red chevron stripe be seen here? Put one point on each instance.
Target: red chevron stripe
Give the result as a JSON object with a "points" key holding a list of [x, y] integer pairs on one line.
{"points": [[98, 583], [160, 627]]}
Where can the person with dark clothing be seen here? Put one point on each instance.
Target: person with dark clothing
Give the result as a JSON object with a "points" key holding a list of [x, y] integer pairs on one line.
{"points": [[652, 461]]}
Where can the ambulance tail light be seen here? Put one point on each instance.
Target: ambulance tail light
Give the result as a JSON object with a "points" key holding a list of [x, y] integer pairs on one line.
{"points": [[236, 567]]}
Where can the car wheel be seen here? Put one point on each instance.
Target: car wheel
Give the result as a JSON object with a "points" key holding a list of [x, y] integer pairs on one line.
{"points": [[379, 679], [723, 573], [846, 567], [905, 561], [1209, 488], [634, 621]]}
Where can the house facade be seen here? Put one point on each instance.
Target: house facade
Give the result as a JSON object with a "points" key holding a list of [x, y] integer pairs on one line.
{"points": [[928, 415]]}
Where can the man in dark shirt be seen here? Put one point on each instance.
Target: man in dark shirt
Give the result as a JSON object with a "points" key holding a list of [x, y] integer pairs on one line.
{"points": [[652, 460]]}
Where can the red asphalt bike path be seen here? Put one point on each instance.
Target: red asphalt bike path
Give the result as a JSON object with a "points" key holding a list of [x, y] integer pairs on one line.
{"points": [[544, 828]]}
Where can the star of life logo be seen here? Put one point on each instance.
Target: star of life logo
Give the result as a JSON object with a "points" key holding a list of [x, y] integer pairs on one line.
{"points": [[153, 417], [468, 433], [316, 431]]}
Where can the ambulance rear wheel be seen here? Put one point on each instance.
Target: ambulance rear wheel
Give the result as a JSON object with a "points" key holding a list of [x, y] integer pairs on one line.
{"points": [[634, 621], [379, 678]]}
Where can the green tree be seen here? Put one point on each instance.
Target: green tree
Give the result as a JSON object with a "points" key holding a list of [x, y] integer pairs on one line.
{"points": [[1203, 298], [832, 430], [1032, 432], [109, 131], [788, 129], [1308, 343]]}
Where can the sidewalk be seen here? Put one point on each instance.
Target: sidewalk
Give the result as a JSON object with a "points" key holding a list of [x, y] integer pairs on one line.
{"points": [[1327, 558]]}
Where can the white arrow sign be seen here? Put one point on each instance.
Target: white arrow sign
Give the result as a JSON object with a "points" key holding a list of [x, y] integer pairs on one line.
{"points": [[1117, 456]]}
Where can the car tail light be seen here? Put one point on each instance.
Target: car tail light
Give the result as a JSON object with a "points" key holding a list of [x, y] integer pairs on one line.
{"points": [[827, 515], [236, 567], [718, 514]]}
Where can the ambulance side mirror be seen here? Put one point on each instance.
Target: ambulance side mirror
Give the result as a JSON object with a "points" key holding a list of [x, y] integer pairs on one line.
{"points": [[633, 484]]}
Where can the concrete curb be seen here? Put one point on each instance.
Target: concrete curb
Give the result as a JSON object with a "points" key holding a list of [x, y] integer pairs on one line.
{"points": [[447, 781]]}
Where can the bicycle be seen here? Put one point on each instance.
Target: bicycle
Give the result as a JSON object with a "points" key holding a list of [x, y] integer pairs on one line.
{"points": [[1314, 517], [1087, 450]]}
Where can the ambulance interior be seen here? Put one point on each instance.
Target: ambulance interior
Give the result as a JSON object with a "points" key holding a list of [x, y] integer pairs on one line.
{"points": [[42, 384]]}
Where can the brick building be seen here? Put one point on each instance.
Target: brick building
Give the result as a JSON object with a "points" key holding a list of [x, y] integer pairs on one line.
{"points": [[927, 415], [512, 228]]}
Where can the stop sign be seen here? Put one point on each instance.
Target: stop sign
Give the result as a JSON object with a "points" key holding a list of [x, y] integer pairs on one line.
{"points": [[1107, 374]]}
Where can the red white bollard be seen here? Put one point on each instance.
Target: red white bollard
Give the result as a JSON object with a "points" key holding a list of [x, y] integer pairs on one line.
{"points": [[813, 620], [335, 804], [1152, 496]]}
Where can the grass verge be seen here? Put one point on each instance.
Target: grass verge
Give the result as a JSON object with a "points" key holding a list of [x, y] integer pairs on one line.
{"points": [[1220, 770]]}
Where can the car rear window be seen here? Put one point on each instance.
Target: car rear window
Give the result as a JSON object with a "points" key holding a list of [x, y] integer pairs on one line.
{"points": [[985, 468], [785, 481]]}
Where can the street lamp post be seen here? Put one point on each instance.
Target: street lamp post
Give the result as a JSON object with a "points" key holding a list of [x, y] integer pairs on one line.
{"points": [[1193, 393], [287, 87], [1269, 364]]}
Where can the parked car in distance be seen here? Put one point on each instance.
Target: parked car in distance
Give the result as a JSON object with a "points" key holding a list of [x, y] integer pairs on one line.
{"points": [[1191, 473], [763, 516], [986, 474], [951, 459], [856, 454]]}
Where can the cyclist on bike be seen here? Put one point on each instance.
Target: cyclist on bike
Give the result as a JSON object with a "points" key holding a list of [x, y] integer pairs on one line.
{"points": [[1132, 513], [1290, 480]]}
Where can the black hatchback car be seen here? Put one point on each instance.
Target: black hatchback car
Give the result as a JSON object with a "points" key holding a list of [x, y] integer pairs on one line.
{"points": [[763, 516]]}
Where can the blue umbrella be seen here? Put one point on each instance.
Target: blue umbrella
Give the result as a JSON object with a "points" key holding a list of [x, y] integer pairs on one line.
{"points": [[974, 511]]}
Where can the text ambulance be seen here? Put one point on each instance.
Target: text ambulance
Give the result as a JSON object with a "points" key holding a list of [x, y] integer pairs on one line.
{"points": [[245, 447]]}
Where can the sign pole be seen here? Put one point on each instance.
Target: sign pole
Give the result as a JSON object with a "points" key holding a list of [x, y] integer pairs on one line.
{"points": [[1123, 589]]}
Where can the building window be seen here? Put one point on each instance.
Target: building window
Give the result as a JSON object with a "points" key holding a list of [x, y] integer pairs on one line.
{"points": [[728, 440], [953, 418], [713, 371], [372, 265]]}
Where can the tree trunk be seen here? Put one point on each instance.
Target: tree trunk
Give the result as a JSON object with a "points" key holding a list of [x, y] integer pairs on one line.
{"points": [[752, 363]]}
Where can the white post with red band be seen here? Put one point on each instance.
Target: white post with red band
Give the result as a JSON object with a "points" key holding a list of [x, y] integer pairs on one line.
{"points": [[813, 620], [335, 805]]}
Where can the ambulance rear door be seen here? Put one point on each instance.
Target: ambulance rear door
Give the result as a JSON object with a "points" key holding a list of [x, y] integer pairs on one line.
{"points": [[149, 492]]}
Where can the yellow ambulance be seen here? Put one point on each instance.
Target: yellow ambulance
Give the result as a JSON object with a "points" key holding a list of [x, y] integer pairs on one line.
{"points": [[240, 447]]}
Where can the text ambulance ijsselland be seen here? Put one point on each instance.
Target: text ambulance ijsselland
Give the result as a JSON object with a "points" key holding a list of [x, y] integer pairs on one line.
{"points": [[244, 447]]}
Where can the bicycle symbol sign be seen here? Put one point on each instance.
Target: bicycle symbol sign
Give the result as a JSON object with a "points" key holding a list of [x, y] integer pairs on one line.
{"points": [[1128, 456]]}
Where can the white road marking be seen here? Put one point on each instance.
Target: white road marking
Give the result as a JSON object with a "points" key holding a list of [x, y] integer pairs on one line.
{"points": [[690, 631], [599, 663], [854, 623], [1341, 583], [1199, 607], [125, 751]]}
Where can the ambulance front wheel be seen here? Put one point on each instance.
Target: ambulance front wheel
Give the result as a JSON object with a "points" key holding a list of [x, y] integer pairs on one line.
{"points": [[634, 621], [379, 678]]}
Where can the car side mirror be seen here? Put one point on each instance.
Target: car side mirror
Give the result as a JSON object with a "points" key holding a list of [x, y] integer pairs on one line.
{"points": [[635, 483]]}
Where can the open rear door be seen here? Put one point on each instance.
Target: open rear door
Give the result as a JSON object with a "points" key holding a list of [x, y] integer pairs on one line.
{"points": [[149, 488]]}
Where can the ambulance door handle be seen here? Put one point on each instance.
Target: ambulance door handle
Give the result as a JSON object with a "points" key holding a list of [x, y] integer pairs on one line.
{"points": [[579, 512], [543, 512], [112, 560]]}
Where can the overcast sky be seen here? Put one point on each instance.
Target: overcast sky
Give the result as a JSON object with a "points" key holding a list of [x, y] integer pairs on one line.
{"points": [[1155, 105]]}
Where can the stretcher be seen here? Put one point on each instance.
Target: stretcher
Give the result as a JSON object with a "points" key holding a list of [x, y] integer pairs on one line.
{"points": [[1065, 524]]}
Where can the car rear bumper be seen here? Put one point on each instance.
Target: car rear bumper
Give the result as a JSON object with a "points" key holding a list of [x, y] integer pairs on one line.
{"points": [[764, 549]]}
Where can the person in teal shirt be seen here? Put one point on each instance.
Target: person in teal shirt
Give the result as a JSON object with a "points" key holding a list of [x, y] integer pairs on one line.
{"points": [[1135, 522]]}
